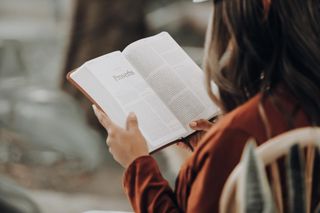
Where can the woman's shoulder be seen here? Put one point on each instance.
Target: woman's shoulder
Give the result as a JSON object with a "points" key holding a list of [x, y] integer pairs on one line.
{"points": [[231, 132]]}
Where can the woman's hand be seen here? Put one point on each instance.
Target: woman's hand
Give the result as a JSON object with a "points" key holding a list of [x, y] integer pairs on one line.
{"points": [[201, 126], [125, 145]]}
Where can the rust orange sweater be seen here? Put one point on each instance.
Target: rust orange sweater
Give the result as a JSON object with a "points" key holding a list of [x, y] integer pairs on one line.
{"points": [[201, 179]]}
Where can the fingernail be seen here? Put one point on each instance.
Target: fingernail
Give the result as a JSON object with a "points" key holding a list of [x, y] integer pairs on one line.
{"points": [[94, 108], [193, 123], [132, 115]]}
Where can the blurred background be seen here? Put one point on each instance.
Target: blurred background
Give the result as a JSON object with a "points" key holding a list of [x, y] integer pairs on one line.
{"points": [[53, 156]]}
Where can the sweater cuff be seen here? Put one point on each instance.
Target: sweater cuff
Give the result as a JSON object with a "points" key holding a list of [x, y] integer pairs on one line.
{"points": [[145, 162]]}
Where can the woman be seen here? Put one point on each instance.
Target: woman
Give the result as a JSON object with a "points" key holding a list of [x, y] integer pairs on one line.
{"points": [[264, 56]]}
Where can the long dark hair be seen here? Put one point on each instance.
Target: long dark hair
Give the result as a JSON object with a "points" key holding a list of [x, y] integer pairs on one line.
{"points": [[269, 42]]}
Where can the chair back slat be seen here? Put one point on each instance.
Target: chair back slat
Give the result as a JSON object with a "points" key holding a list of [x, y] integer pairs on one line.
{"points": [[315, 198], [309, 173], [276, 185]]}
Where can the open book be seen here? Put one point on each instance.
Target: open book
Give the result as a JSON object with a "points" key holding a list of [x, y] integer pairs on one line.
{"points": [[154, 78]]}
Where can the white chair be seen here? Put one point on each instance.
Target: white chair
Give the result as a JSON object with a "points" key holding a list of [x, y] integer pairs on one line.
{"points": [[269, 153]]}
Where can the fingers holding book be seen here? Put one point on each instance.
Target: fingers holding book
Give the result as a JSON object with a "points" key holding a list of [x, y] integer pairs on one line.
{"points": [[127, 144], [103, 118], [201, 126]]}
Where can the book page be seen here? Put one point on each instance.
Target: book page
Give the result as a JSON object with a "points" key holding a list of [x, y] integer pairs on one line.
{"points": [[173, 75], [99, 94], [133, 94]]}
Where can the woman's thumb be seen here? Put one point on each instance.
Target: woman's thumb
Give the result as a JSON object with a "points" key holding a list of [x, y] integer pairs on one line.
{"points": [[132, 121], [201, 124]]}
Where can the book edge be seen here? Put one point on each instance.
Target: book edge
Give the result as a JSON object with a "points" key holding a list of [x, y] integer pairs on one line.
{"points": [[78, 87]]}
